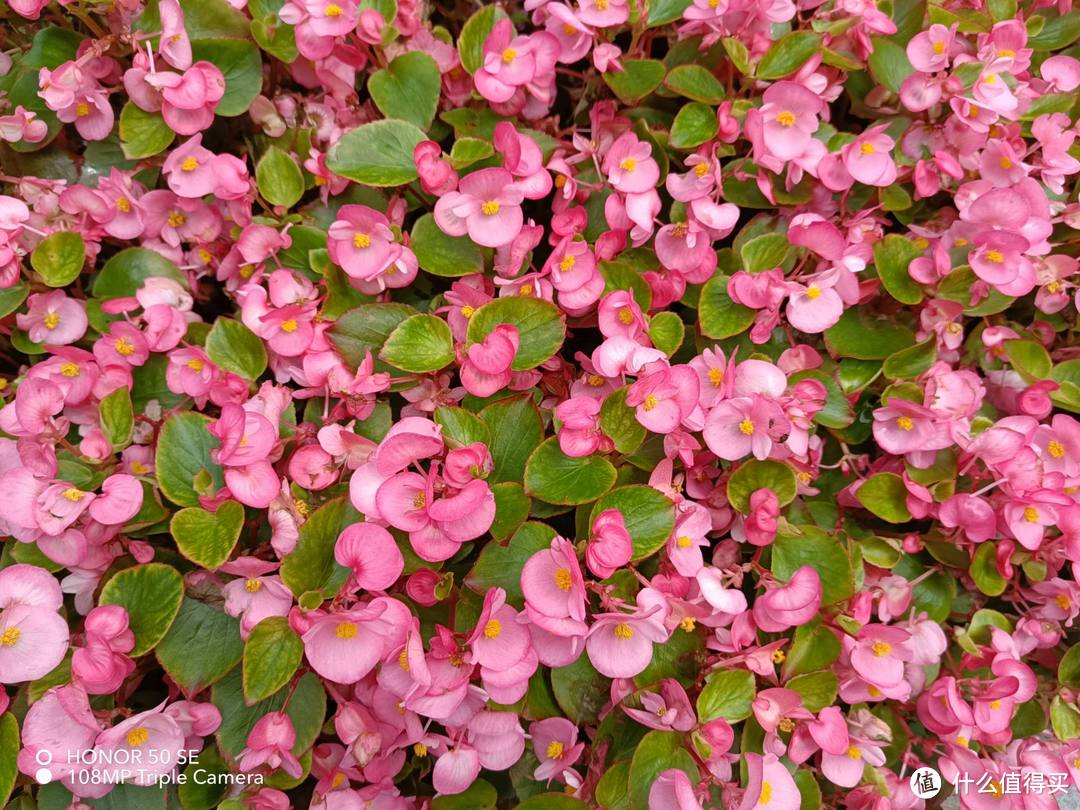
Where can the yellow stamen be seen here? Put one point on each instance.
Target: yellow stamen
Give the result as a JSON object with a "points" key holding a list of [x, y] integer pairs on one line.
{"points": [[563, 580], [1004, 162], [490, 208], [82, 109], [74, 495], [995, 256], [51, 320], [905, 423], [176, 219], [509, 55], [69, 369], [403, 660], [252, 586], [682, 541], [650, 402], [333, 10], [867, 148], [123, 205], [766, 793], [124, 347], [746, 427], [137, 736], [716, 376], [196, 364], [554, 750], [289, 326], [1063, 601], [701, 169], [778, 657], [1031, 514], [1055, 449], [361, 240], [786, 118], [624, 631], [10, 636], [467, 311], [628, 165], [567, 264], [813, 292], [493, 629], [881, 648], [419, 500], [626, 316], [189, 165], [345, 631], [939, 48], [786, 724], [420, 750], [854, 752], [688, 624]]}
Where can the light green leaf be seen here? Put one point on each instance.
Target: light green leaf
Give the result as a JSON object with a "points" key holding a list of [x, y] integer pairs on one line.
{"points": [[151, 594], [420, 344], [117, 418], [279, 177], [728, 693], [124, 273], [809, 545], [473, 34], [638, 78], [552, 476], [540, 326], [719, 316], [143, 134], [892, 256], [201, 647], [379, 153], [787, 54], [885, 495], [311, 565], [752, 475], [59, 258], [183, 453], [272, 654], [408, 88], [649, 516], [695, 83], [694, 124], [208, 538], [444, 255], [234, 347]]}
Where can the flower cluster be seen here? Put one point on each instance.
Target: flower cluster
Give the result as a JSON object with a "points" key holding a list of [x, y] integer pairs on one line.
{"points": [[656, 405]]}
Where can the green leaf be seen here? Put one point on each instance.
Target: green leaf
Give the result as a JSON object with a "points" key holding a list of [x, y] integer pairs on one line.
{"points": [[408, 88], [1057, 33], [738, 54], [516, 431], [694, 124], [581, 691], [306, 708], [420, 344], [957, 287], [124, 273], [864, 337], [1029, 358], [752, 475], [649, 516], [719, 316], [151, 594], [667, 331], [984, 570], [621, 275], [279, 177], [12, 298], [461, 427], [837, 412], [275, 37], [365, 329], [892, 256], [662, 12], [551, 801], [695, 83], [728, 693], [444, 255], [909, 363], [657, 752], [473, 34], [555, 477], [59, 258], [272, 654], [814, 647], [208, 538], [500, 566], [809, 545], [116, 417], [212, 785], [1068, 671], [890, 65], [143, 134], [201, 647], [638, 78], [1064, 719], [467, 151], [511, 508], [618, 422], [9, 749], [234, 347], [885, 495], [183, 452], [818, 689], [480, 795], [764, 252], [311, 565], [787, 54], [540, 326], [379, 153]]}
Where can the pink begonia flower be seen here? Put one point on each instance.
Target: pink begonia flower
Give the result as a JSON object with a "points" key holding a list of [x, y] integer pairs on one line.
{"points": [[53, 319], [629, 165], [174, 45], [610, 546], [486, 206], [759, 527], [620, 645], [604, 13], [487, 364], [188, 101], [246, 440], [437, 176], [664, 399], [684, 548], [101, 666], [931, 50], [554, 589], [120, 500], [555, 744], [76, 97], [370, 551], [149, 730], [59, 721], [669, 710], [743, 425], [33, 636], [437, 526], [512, 63], [672, 791], [817, 306], [253, 596], [789, 117], [524, 160], [789, 605], [345, 646], [579, 429], [270, 742], [769, 785], [868, 158], [879, 653]]}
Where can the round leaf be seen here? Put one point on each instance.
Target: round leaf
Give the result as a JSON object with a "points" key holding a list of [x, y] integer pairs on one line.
{"points": [[555, 477], [201, 647], [377, 154], [272, 654], [408, 88], [727, 694], [279, 177], [420, 344], [143, 134], [443, 255], [208, 538], [124, 273], [694, 124], [719, 316], [59, 258], [235, 348], [151, 594], [183, 454], [984, 570], [885, 495]]}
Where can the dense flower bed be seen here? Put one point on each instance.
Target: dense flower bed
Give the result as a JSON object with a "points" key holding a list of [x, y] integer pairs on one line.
{"points": [[640, 405]]}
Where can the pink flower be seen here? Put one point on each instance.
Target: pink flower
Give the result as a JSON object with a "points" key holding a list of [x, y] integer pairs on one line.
{"points": [[270, 743], [790, 605], [53, 319], [868, 158], [555, 744], [101, 666], [672, 790], [554, 589], [769, 785], [486, 206], [789, 118], [610, 547], [817, 306], [511, 63], [620, 645], [33, 636], [879, 654], [738, 427], [629, 165], [487, 364], [579, 431], [664, 399], [931, 50], [669, 710], [370, 551]]}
